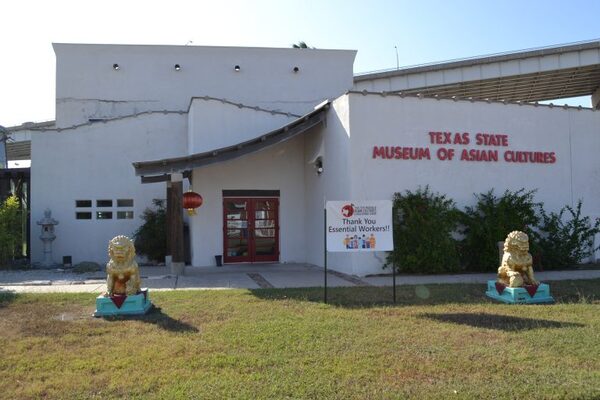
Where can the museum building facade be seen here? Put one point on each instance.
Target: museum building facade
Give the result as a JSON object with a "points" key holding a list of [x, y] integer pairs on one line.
{"points": [[266, 136]]}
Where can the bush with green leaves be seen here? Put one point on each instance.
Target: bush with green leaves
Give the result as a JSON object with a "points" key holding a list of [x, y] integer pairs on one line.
{"points": [[491, 220], [11, 238], [566, 238], [423, 227], [151, 237]]}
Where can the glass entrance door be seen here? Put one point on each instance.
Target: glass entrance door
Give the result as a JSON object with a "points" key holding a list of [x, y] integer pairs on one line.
{"points": [[251, 229]]}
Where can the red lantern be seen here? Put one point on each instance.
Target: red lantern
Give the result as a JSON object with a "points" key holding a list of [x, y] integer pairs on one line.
{"points": [[191, 201]]}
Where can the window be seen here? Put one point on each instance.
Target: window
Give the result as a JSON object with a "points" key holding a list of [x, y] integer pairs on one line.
{"points": [[83, 215], [124, 214], [104, 203], [104, 214], [124, 202], [103, 209]]}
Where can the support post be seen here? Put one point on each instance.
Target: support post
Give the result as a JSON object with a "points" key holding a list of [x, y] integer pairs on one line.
{"points": [[175, 225], [394, 281], [596, 99], [28, 211], [325, 253], [169, 211]]}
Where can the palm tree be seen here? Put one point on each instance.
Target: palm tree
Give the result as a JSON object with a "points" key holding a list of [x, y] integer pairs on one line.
{"points": [[301, 45]]}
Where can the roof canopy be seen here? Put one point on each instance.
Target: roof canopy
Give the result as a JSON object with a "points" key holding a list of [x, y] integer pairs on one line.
{"points": [[16, 151], [159, 170], [533, 75]]}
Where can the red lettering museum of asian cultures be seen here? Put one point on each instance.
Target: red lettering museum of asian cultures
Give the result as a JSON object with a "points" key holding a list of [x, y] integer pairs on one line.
{"points": [[469, 154], [401, 153]]}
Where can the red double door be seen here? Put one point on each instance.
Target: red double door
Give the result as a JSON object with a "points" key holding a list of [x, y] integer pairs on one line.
{"points": [[250, 230]]}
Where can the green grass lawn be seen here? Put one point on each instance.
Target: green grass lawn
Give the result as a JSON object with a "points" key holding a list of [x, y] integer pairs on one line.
{"points": [[438, 341]]}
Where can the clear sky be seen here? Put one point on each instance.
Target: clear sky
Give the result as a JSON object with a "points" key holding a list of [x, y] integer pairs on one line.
{"points": [[423, 31]]}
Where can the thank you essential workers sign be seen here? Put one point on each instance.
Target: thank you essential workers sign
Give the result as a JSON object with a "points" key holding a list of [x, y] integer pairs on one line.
{"points": [[359, 226]]}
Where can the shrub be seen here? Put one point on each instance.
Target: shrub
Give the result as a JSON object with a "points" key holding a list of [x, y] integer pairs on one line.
{"points": [[11, 238], [491, 220], [151, 237], [423, 226], [565, 242]]}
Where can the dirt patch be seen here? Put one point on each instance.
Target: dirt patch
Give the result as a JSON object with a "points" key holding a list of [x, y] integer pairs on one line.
{"points": [[41, 319]]}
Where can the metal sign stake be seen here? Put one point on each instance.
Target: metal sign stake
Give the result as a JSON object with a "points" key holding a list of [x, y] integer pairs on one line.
{"points": [[394, 280], [325, 253]]}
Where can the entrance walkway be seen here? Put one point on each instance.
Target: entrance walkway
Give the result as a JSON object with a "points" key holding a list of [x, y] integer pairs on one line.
{"points": [[251, 276]]}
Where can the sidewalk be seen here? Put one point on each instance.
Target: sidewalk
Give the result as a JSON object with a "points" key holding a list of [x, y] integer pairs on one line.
{"points": [[240, 276]]}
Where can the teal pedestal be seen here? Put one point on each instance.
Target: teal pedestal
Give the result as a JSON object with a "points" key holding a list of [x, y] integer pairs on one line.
{"points": [[137, 304], [520, 295]]}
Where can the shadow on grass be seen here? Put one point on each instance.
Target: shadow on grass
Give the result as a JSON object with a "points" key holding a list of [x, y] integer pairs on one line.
{"points": [[499, 322], [367, 296], [156, 317], [7, 297], [573, 291]]}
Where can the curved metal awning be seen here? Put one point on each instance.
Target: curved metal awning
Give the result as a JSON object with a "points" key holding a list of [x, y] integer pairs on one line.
{"points": [[160, 170]]}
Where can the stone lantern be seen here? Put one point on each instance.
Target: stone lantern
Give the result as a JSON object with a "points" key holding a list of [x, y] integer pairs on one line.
{"points": [[47, 223]]}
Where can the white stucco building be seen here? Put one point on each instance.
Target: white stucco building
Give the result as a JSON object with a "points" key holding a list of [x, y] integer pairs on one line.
{"points": [[247, 128]]}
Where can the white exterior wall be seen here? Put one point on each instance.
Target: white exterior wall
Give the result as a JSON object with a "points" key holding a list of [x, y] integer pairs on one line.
{"points": [[585, 146], [314, 201], [214, 124], [87, 86], [336, 164], [394, 121], [333, 145], [278, 167], [94, 163]]}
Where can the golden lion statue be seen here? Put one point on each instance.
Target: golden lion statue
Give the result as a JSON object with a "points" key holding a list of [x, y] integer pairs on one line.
{"points": [[516, 268], [123, 273]]}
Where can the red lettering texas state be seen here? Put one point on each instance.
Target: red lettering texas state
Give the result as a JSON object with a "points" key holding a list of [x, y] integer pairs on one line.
{"points": [[449, 138]]}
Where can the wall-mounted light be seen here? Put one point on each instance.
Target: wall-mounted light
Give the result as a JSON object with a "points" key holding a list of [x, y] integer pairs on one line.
{"points": [[237, 68], [177, 67], [296, 69], [116, 67], [319, 166]]}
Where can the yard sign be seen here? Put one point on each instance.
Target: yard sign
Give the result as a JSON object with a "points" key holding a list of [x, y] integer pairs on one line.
{"points": [[355, 226]]}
